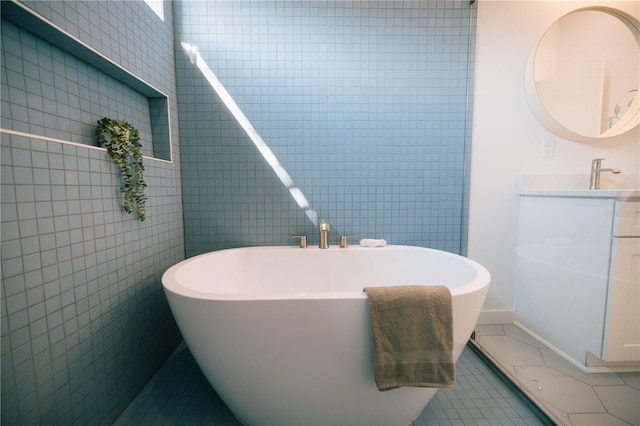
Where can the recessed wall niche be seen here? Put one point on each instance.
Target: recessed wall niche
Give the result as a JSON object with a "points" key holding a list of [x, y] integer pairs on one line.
{"points": [[59, 87]]}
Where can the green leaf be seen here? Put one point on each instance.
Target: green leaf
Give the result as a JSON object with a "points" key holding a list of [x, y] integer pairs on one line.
{"points": [[122, 142]]}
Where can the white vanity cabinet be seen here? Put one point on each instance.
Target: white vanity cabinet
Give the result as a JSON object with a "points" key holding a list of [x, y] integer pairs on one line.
{"points": [[577, 276], [622, 323]]}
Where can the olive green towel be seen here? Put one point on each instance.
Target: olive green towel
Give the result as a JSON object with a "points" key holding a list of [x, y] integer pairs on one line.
{"points": [[412, 329]]}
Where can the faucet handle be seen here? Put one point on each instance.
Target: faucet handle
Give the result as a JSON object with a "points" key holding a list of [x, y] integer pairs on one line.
{"points": [[343, 240], [303, 240]]}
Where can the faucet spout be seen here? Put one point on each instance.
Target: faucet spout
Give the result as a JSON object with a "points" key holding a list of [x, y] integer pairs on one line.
{"points": [[596, 169], [324, 234]]}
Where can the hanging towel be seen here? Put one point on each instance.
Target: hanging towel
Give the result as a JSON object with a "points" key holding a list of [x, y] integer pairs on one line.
{"points": [[412, 329]]}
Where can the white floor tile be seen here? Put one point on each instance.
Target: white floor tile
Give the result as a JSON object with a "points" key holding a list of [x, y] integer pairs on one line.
{"points": [[596, 420], [631, 379], [557, 389], [556, 362], [513, 352], [489, 330], [621, 401], [568, 395]]}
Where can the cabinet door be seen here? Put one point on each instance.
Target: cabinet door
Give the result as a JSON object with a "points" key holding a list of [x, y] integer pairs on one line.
{"points": [[563, 253], [622, 327]]}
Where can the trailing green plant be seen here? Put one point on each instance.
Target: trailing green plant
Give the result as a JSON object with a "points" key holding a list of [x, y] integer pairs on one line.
{"points": [[122, 142]]}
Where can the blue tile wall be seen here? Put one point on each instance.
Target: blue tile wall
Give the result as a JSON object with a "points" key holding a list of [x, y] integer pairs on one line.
{"points": [[366, 106], [85, 323], [54, 94]]}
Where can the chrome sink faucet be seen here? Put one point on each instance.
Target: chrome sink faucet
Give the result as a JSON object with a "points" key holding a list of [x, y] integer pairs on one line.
{"points": [[324, 234], [594, 180]]}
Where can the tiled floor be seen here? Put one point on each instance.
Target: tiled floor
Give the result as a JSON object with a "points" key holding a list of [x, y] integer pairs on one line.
{"points": [[180, 395], [565, 393]]}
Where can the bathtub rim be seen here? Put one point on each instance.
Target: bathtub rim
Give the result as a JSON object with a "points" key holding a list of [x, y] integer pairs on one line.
{"points": [[171, 284]]}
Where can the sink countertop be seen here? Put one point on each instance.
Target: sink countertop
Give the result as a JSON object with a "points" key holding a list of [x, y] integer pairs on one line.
{"points": [[613, 186], [582, 193]]}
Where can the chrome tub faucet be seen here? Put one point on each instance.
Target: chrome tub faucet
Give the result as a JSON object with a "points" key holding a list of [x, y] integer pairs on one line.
{"points": [[324, 234], [303, 240]]}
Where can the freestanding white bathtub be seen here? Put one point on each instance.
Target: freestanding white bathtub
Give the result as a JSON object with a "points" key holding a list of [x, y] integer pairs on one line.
{"points": [[283, 335]]}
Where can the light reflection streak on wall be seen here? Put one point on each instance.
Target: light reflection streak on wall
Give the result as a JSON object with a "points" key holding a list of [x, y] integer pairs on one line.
{"points": [[257, 140]]}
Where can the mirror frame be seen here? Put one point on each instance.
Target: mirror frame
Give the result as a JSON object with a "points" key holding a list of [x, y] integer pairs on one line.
{"points": [[628, 121]]}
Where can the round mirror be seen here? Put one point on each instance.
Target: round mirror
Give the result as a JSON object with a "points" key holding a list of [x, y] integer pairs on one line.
{"points": [[582, 78]]}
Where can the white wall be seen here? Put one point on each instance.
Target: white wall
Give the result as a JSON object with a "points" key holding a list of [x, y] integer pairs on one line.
{"points": [[507, 137]]}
